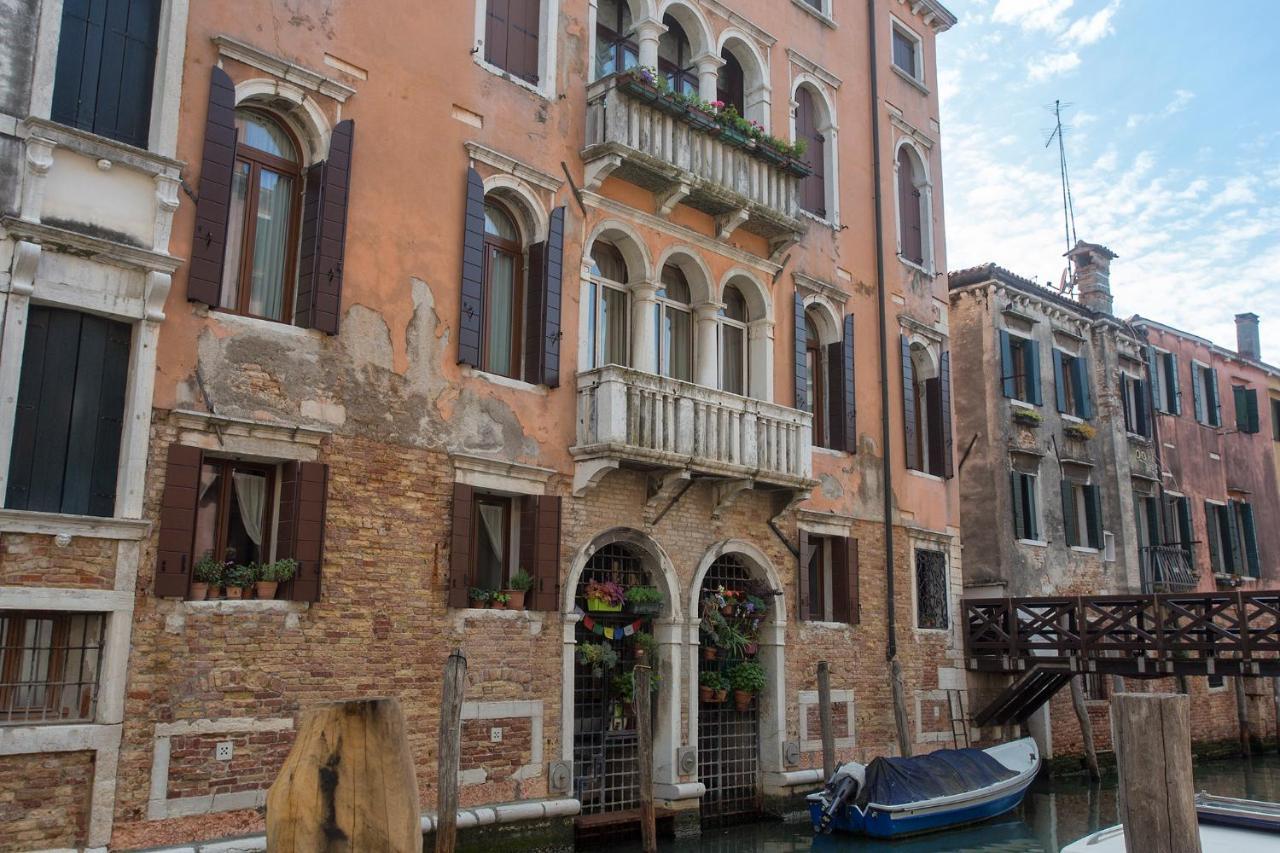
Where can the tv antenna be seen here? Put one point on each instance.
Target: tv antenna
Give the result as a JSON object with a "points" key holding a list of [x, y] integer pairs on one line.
{"points": [[1068, 210]]}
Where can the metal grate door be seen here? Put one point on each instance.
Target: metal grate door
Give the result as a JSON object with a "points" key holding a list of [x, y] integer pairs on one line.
{"points": [[728, 741]]}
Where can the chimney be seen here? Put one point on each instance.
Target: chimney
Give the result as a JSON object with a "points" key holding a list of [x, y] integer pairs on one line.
{"points": [[1093, 275], [1248, 343]]}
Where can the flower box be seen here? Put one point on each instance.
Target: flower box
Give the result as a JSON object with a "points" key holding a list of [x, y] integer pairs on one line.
{"points": [[799, 168], [736, 137], [645, 608], [637, 87], [601, 605], [771, 155], [703, 121]]}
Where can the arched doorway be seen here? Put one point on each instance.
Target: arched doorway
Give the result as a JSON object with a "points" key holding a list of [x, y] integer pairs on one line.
{"points": [[733, 607], [608, 643]]}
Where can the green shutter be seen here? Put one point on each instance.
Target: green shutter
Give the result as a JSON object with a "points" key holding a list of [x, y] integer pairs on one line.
{"points": [[1213, 531], [1084, 393], [1185, 533], [1231, 533], [1015, 487], [1175, 384], [1032, 350], [1197, 394], [1007, 384], [1093, 515], [1250, 539], [1059, 377], [1251, 404], [1213, 404], [1242, 407], [1070, 524], [1153, 376]]}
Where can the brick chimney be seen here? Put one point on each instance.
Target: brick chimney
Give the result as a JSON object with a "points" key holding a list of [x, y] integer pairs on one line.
{"points": [[1248, 343], [1093, 275]]}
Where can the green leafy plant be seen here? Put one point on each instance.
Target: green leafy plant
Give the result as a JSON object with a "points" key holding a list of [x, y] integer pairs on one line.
{"points": [[644, 595], [478, 595], [209, 570], [499, 597], [598, 656], [712, 680], [647, 643], [733, 640], [625, 686], [279, 571], [240, 575], [606, 591], [1029, 417], [1083, 432], [521, 581], [747, 677]]}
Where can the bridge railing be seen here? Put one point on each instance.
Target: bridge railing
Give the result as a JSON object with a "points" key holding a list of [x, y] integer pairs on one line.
{"points": [[1162, 627]]}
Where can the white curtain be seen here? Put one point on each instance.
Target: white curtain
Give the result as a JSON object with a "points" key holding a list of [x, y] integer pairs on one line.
{"points": [[270, 245], [251, 493]]}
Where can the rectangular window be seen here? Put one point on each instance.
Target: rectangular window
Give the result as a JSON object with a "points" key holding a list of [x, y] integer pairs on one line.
{"points": [[607, 325], [1134, 401], [492, 549], [1275, 420], [819, 570], [831, 579], [106, 60], [1216, 682], [1071, 384], [1169, 400], [1020, 366], [1082, 514], [49, 665], [511, 37], [932, 610], [1096, 687], [1246, 402], [1026, 510], [1204, 387], [70, 411], [235, 511], [1233, 543], [906, 52]]}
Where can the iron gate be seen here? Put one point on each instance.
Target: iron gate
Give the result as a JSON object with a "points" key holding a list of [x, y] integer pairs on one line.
{"points": [[728, 740]]}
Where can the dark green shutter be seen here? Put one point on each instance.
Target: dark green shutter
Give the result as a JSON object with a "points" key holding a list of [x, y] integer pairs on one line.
{"points": [[1031, 352], [1153, 377], [1093, 515], [1175, 386], [1197, 394], [1070, 524], [1084, 391], [1231, 532], [1019, 523], [1213, 403], [1250, 539], [1059, 380], [1213, 530], [801, 357], [1242, 408], [1008, 384], [1251, 410]]}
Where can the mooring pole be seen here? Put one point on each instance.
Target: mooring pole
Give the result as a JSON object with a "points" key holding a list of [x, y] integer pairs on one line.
{"points": [[1152, 737], [642, 700], [1242, 714], [1086, 727], [1275, 701], [450, 737], [824, 715]]}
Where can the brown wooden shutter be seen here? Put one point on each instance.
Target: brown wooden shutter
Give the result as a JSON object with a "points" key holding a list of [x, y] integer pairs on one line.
{"points": [[845, 606], [177, 521], [542, 306], [801, 356], [460, 545], [813, 188], [471, 299], [909, 222], [209, 243], [304, 488], [511, 36], [540, 549], [802, 576], [324, 235], [944, 381], [909, 405]]}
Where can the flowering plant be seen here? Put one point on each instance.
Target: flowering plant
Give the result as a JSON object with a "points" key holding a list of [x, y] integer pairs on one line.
{"points": [[606, 591]]}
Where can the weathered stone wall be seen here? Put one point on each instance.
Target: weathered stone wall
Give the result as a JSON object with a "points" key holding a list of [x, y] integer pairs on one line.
{"points": [[44, 800], [32, 559]]}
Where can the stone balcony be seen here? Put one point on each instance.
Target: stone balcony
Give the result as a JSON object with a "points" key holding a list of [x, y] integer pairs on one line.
{"points": [[629, 138], [678, 430]]}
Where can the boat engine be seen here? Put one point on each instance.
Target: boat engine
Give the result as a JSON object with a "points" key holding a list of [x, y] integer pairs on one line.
{"points": [[841, 788]]}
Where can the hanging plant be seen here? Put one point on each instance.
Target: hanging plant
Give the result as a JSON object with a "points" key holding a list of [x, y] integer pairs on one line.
{"points": [[601, 657]]}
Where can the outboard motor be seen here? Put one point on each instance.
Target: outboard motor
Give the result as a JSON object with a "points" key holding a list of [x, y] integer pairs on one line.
{"points": [[842, 788]]}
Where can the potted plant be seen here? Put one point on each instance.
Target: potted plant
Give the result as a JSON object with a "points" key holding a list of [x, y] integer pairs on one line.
{"points": [[521, 582], [271, 575], [238, 578], [1081, 431], [477, 598], [710, 652], [1027, 417], [644, 600], [746, 679], [641, 82], [604, 597], [599, 656], [709, 686], [499, 600], [207, 574], [646, 646], [734, 641]]}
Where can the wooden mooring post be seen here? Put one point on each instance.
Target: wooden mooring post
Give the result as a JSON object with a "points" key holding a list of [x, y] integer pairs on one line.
{"points": [[1086, 727], [1242, 716], [824, 717], [643, 702], [448, 749], [1152, 737], [348, 783]]}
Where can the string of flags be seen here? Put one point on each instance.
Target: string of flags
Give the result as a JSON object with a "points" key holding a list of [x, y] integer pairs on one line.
{"points": [[604, 631]]}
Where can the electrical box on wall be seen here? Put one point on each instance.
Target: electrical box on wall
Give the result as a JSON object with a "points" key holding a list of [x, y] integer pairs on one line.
{"points": [[495, 735], [223, 750]]}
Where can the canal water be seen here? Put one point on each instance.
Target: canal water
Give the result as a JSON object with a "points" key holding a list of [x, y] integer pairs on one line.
{"points": [[1054, 813]]}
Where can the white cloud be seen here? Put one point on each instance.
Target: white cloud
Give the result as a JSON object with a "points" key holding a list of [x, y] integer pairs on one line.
{"points": [[1052, 65], [1032, 14], [1181, 99], [1092, 28]]}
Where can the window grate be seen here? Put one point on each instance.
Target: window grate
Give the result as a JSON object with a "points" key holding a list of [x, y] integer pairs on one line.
{"points": [[49, 666], [931, 589], [728, 741]]}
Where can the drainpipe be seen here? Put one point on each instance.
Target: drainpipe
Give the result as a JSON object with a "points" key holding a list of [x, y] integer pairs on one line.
{"points": [[886, 461]]}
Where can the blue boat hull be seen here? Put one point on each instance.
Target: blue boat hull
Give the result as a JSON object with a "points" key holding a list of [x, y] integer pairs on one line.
{"points": [[883, 824]]}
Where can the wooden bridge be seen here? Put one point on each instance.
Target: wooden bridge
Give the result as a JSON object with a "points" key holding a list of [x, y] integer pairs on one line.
{"points": [[1047, 640]]}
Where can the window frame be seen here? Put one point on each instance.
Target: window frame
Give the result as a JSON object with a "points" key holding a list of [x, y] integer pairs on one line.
{"points": [[548, 37], [510, 514], [815, 153], [618, 41], [518, 250], [222, 517], [53, 681], [817, 372], [1029, 484], [899, 29], [663, 305], [683, 72], [723, 320], [820, 546], [946, 593], [597, 325], [1022, 378]]}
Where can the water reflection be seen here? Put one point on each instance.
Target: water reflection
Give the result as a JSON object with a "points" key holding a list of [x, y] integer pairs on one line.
{"points": [[1054, 814]]}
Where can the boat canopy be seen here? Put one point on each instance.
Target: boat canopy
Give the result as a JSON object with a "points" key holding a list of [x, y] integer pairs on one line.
{"points": [[897, 781]]}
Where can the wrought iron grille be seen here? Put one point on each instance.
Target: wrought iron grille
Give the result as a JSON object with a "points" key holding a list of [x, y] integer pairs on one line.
{"points": [[931, 589], [605, 742], [49, 666], [728, 741], [1167, 568]]}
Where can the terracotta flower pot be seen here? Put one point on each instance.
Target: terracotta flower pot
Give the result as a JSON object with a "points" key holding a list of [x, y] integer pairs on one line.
{"points": [[706, 695], [709, 652], [477, 604], [727, 610], [516, 597], [214, 592], [234, 592], [722, 694], [742, 701], [266, 589], [199, 591], [640, 654], [751, 649], [500, 605]]}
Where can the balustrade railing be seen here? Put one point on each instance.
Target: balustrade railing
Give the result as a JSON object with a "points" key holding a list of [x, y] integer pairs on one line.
{"points": [[1166, 568]]}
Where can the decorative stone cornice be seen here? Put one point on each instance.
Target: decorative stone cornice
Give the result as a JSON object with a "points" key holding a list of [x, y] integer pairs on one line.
{"points": [[511, 166], [735, 18], [922, 329], [935, 16], [276, 66], [100, 147], [812, 285], [500, 474], [86, 245], [804, 63], [243, 427]]}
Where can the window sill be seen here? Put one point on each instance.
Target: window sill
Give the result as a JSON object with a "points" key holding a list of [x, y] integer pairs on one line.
{"points": [[1071, 419], [918, 84], [511, 78], [824, 624], [925, 475], [1138, 438], [502, 381], [1083, 549], [1030, 407], [827, 451], [231, 318], [823, 221], [1034, 543], [102, 147], [85, 526], [910, 264], [246, 605], [938, 631], [820, 15], [505, 615]]}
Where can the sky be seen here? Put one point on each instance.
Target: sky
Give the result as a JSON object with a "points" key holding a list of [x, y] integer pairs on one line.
{"points": [[1172, 141]]}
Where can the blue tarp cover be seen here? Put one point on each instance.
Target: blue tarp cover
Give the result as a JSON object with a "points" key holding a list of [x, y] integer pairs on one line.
{"points": [[897, 781]]}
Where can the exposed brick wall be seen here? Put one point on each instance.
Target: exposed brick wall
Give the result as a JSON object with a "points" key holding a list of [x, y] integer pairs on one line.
{"points": [[256, 757], [44, 800], [498, 760], [32, 559]]}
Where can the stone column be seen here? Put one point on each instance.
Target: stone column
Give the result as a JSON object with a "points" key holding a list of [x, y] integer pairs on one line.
{"points": [[706, 355], [644, 338], [13, 338], [647, 34], [708, 75], [760, 359]]}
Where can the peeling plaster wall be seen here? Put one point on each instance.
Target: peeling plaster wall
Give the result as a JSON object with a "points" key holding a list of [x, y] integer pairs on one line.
{"points": [[17, 59]]}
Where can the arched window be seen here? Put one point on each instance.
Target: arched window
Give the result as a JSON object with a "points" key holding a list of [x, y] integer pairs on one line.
{"points": [[607, 298], [503, 290], [910, 207], [816, 373], [731, 84], [615, 49], [813, 188], [675, 325], [262, 231], [675, 60], [733, 342]]}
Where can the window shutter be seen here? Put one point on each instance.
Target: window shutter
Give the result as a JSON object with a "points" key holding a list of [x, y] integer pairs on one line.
{"points": [[801, 356], [1197, 393], [1032, 350], [1019, 510], [1084, 390], [1176, 385], [1129, 423], [1213, 531], [1242, 410], [844, 581], [542, 306], [523, 38], [1213, 403], [472, 294], [304, 488], [1250, 424], [842, 405], [1250, 540], [1140, 392], [540, 549], [1185, 534], [1059, 380], [1070, 524], [1153, 376], [209, 243], [1232, 532], [1093, 515], [944, 402], [909, 405], [909, 214], [177, 521], [460, 547], [496, 24], [1007, 385], [802, 576], [324, 235]]}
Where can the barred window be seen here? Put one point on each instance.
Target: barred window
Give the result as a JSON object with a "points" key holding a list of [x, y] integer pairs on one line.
{"points": [[49, 666], [931, 589]]}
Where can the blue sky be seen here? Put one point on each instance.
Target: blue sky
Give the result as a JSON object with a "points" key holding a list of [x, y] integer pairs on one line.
{"points": [[1173, 145]]}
